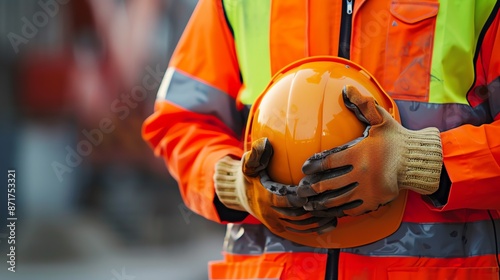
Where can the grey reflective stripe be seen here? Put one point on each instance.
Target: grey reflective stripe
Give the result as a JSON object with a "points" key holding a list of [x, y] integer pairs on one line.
{"points": [[494, 96], [418, 115], [432, 240], [202, 98], [246, 239], [435, 240]]}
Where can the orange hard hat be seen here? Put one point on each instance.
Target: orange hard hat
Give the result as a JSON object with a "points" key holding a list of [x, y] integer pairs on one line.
{"points": [[302, 112]]}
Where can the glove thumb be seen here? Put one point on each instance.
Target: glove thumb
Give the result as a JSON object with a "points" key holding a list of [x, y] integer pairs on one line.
{"points": [[365, 107], [257, 159]]}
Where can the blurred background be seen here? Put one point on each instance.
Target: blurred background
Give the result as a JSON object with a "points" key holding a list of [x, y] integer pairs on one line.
{"points": [[77, 79]]}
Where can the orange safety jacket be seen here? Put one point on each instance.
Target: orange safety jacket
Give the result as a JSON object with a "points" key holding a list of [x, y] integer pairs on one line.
{"points": [[440, 62]]}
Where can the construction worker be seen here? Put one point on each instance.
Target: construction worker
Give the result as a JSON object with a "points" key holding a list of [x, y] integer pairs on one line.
{"points": [[437, 59]]}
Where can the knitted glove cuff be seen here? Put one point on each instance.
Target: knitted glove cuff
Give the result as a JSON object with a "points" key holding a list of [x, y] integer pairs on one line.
{"points": [[423, 160], [228, 183]]}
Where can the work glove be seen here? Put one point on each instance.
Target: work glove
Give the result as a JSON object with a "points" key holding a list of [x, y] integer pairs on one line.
{"points": [[246, 186], [368, 172]]}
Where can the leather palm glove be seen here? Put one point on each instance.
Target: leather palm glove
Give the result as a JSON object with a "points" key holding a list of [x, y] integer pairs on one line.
{"points": [[368, 172], [245, 185]]}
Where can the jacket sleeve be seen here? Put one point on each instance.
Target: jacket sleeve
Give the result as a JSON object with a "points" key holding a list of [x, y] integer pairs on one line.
{"points": [[472, 153], [197, 119]]}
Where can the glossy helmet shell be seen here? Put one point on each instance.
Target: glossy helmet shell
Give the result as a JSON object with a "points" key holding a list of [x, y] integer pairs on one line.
{"points": [[302, 112]]}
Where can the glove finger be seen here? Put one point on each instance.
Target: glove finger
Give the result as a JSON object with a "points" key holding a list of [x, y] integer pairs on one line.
{"points": [[290, 211], [283, 195], [295, 201], [338, 212], [257, 159], [363, 209], [323, 161], [274, 187], [308, 186], [323, 200], [305, 189], [331, 202], [324, 225], [364, 107], [288, 201]]}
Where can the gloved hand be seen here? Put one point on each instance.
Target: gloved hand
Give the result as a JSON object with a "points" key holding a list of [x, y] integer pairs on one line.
{"points": [[245, 185], [368, 172]]}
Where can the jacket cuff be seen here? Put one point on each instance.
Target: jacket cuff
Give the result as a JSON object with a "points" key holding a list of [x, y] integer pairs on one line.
{"points": [[440, 197], [228, 215]]}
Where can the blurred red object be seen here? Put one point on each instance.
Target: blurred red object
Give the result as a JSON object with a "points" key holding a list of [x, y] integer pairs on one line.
{"points": [[43, 82]]}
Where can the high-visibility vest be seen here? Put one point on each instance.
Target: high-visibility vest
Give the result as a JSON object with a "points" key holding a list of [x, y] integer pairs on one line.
{"points": [[439, 60]]}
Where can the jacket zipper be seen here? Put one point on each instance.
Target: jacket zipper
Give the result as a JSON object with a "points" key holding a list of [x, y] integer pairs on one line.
{"points": [[332, 261], [345, 29], [332, 264]]}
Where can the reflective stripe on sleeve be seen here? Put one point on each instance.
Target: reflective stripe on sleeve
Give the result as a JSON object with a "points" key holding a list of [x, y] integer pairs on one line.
{"points": [[199, 97]]}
